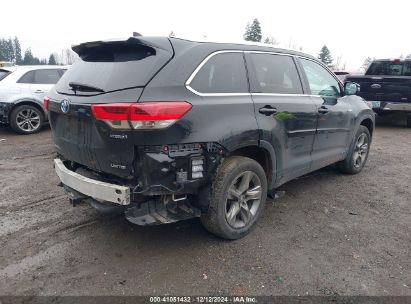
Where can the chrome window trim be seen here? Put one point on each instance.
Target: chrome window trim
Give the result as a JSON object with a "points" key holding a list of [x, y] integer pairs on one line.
{"points": [[269, 52], [205, 60], [325, 67], [282, 94], [198, 68]]}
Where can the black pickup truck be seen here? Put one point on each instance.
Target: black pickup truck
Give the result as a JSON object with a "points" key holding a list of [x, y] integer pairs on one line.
{"points": [[386, 86]]}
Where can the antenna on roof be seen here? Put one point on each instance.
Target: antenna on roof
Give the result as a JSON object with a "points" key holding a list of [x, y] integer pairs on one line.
{"points": [[136, 34]]}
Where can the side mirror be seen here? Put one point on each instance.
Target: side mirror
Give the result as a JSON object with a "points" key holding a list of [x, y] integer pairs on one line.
{"points": [[351, 88]]}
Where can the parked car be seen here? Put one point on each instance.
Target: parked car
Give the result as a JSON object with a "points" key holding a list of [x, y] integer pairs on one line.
{"points": [[342, 75], [165, 129], [386, 85], [22, 91]]}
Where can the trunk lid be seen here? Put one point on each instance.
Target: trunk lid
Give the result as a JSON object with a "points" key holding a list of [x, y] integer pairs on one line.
{"points": [[107, 72]]}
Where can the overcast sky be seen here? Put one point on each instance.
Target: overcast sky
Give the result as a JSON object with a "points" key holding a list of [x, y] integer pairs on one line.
{"points": [[352, 29]]}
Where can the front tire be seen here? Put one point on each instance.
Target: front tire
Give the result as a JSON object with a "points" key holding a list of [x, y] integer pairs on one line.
{"points": [[26, 119], [358, 153], [238, 197]]}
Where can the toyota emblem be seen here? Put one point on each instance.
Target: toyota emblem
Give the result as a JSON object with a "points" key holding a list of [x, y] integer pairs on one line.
{"points": [[65, 105]]}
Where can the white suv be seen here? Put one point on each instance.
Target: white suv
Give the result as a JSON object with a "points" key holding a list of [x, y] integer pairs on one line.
{"points": [[22, 90]]}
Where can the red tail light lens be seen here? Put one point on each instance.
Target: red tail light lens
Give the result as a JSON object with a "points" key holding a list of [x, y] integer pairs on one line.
{"points": [[142, 115], [114, 111], [159, 110], [46, 103]]}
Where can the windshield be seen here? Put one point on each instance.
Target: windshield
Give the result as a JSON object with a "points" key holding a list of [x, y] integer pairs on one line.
{"points": [[3, 74], [390, 68]]}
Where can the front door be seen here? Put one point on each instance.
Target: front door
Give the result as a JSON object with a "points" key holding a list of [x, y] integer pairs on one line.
{"points": [[286, 117], [335, 116]]}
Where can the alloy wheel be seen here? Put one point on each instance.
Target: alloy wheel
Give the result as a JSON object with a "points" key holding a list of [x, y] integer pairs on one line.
{"points": [[243, 199], [361, 150], [28, 120]]}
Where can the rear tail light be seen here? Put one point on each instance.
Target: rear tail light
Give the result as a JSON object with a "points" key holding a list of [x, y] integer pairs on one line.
{"points": [[46, 103], [115, 115], [142, 115]]}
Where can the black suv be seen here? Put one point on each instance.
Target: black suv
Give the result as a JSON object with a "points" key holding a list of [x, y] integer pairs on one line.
{"points": [[164, 129]]}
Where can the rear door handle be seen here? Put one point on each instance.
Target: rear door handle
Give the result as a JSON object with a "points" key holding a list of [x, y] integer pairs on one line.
{"points": [[38, 91], [267, 110], [323, 110]]}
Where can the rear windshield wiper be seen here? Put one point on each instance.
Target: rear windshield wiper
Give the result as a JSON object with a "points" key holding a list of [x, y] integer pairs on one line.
{"points": [[75, 86]]}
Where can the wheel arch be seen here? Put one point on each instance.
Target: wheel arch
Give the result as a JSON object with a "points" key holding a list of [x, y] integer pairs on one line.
{"points": [[30, 102], [265, 155], [368, 123]]}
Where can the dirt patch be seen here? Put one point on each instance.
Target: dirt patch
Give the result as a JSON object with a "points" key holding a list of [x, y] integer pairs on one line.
{"points": [[331, 234]]}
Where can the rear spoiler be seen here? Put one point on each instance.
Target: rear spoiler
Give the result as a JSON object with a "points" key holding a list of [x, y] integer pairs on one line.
{"points": [[158, 43]]}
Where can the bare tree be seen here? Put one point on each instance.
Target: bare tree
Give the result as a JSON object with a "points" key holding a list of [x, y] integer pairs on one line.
{"points": [[271, 40], [367, 63], [70, 56]]}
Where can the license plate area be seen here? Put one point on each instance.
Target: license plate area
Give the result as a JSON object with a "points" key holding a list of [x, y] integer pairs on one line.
{"points": [[376, 104]]}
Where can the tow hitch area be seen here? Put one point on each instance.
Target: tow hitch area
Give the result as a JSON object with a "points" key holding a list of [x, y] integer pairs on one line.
{"points": [[166, 209]]}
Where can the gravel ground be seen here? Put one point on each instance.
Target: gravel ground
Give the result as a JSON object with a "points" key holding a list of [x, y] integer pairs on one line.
{"points": [[331, 234]]}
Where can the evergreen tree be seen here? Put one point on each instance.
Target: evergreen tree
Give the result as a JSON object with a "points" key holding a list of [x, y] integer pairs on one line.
{"points": [[253, 31], [17, 51], [52, 60], [28, 57], [2, 50], [10, 50], [6, 50], [325, 56]]}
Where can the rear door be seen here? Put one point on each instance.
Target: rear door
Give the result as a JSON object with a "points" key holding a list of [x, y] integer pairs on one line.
{"points": [[42, 81], [335, 116], [286, 117]]}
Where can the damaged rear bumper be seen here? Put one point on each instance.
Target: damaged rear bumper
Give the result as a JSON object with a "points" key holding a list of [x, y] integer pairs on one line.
{"points": [[112, 198], [92, 188]]}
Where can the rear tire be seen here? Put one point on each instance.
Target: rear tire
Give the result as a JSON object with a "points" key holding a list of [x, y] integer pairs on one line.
{"points": [[238, 196], [358, 153], [26, 119]]}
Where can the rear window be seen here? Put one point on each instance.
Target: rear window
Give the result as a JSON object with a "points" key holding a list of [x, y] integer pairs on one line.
{"points": [[113, 66], [3, 74], [390, 68], [222, 73]]}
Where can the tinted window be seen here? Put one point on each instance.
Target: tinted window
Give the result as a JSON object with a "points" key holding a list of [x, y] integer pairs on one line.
{"points": [[3, 74], [390, 68], [275, 74], [222, 73], [27, 78], [114, 66], [46, 76], [321, 81]]}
